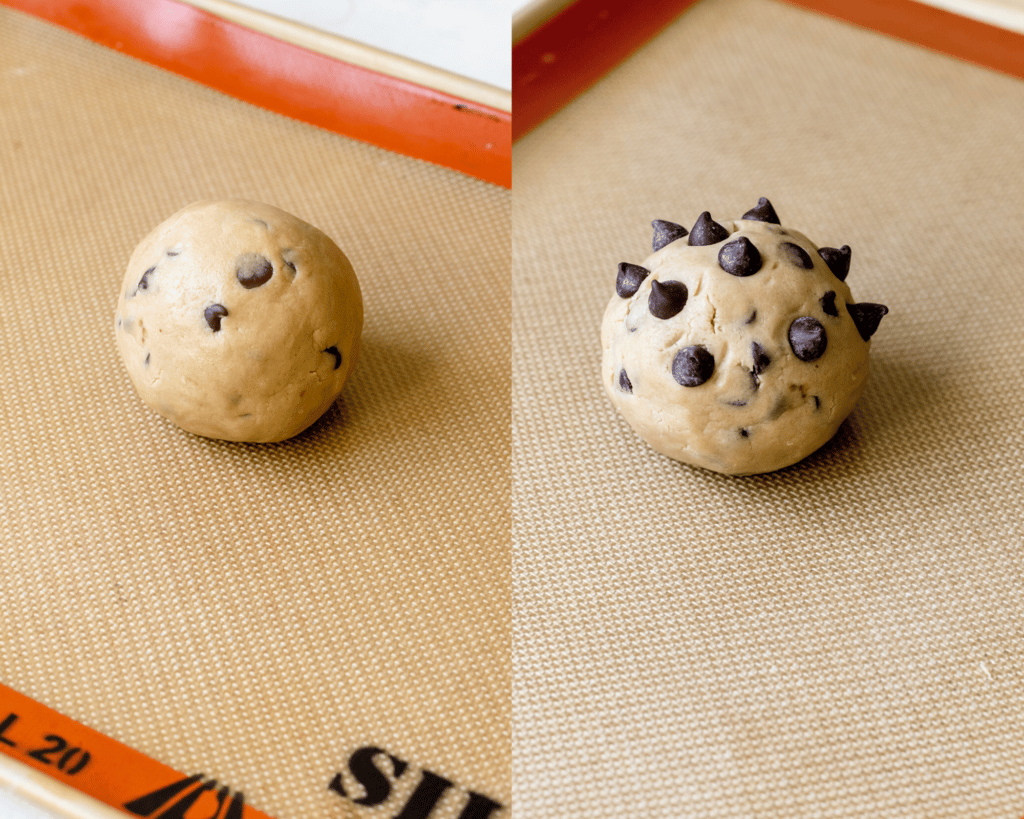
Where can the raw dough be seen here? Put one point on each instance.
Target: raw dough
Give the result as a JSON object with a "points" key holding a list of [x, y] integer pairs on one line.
{"points": [[239, 321], [736, 346]]}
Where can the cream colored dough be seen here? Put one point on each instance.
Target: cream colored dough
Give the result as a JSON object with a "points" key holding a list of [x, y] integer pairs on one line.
{"points": [[239, 321], [761, 408]]}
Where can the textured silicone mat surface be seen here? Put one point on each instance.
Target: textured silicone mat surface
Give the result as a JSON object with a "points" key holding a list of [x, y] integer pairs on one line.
{"points": [[842, 638], [257, 613]]}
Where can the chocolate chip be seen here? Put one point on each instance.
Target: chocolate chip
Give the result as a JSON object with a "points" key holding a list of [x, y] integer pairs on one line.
{"points": [[624, 383], [213, 314], [706, 231], [146, 362], [838, 261], [817, 402], [173, 252], [665, 233], [752, 319], [666, 299], [144, 281], [692, 366], [867, 317], [807, 338], [739, 257], [253, 270], [761, 358], [629, 279], [337, 355], [744, 433], [828, 304], [796, 255], [764, 212]]}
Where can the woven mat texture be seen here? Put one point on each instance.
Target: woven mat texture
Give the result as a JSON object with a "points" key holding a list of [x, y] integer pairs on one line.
{"points": [[842, 638], [255, 612]]}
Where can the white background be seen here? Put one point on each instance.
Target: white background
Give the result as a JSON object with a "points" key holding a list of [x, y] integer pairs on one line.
{"points": [[468, 37]]}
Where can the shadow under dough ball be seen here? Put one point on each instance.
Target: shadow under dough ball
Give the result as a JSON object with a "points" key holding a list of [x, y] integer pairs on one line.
{"points": [[736, 346], [239, 321]]}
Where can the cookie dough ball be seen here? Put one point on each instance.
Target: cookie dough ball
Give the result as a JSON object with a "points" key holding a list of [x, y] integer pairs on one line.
{"points": [[239, 321], [736, 346]]}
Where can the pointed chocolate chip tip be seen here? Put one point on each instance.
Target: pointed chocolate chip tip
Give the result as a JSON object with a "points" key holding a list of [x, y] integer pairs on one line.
{"points": [[837, 259], [667, 299], [665, 233], [706, 231], [739, 257], [629, 279], [764, 212], [867, 316]]}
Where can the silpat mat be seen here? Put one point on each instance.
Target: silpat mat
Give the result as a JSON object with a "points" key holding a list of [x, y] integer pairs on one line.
{"points": [[842, 638], [260, 614]]}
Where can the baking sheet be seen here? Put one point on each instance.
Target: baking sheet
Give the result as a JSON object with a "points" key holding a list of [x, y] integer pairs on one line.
{"points": [[258, 613], [842, 638]]}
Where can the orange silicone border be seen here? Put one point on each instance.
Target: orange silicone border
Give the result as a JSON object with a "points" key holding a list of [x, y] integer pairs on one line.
{"points": [[574, 49], [391, 113], [570, 52], [115, 774]]}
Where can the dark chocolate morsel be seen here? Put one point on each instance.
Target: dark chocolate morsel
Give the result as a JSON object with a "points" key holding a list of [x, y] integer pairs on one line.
{"points": [[666, 299], [828, 304], [752, 319], [838, 260], [337, 355], [764, 212], [213, 314], [253, 270], [761, 358], [807, 338], [817, 402], [692, 366], [745, 433], [797, 255], [173, 252], [706, 231], [739, 257], [666, 232], [629, 279], [144, 281], [866, 316], [624, 383], [146, 362]]}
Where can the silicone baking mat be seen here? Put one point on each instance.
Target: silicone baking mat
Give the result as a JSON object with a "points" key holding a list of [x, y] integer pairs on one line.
{"points": [[839, 639], [321, 625]]}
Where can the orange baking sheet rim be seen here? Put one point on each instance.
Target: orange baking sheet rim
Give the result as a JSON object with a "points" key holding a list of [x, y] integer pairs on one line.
{"points": [[107, 770], [560, 59], [391, 113]]}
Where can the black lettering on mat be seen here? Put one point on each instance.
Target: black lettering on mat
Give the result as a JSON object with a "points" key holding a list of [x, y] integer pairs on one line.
{"points": [[376, 771]]}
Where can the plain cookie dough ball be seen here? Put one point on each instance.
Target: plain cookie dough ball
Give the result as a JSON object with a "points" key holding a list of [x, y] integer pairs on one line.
{"points": [[736, 346], [239, 321]]}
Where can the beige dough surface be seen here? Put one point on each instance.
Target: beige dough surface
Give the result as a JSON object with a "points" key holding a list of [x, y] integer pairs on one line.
{"points": [[762, 407], [239, 321]]}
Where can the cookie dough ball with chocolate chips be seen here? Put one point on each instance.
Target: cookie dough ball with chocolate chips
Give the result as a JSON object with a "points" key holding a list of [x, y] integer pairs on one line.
{"points": [[239, 321], [736, 346]]}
